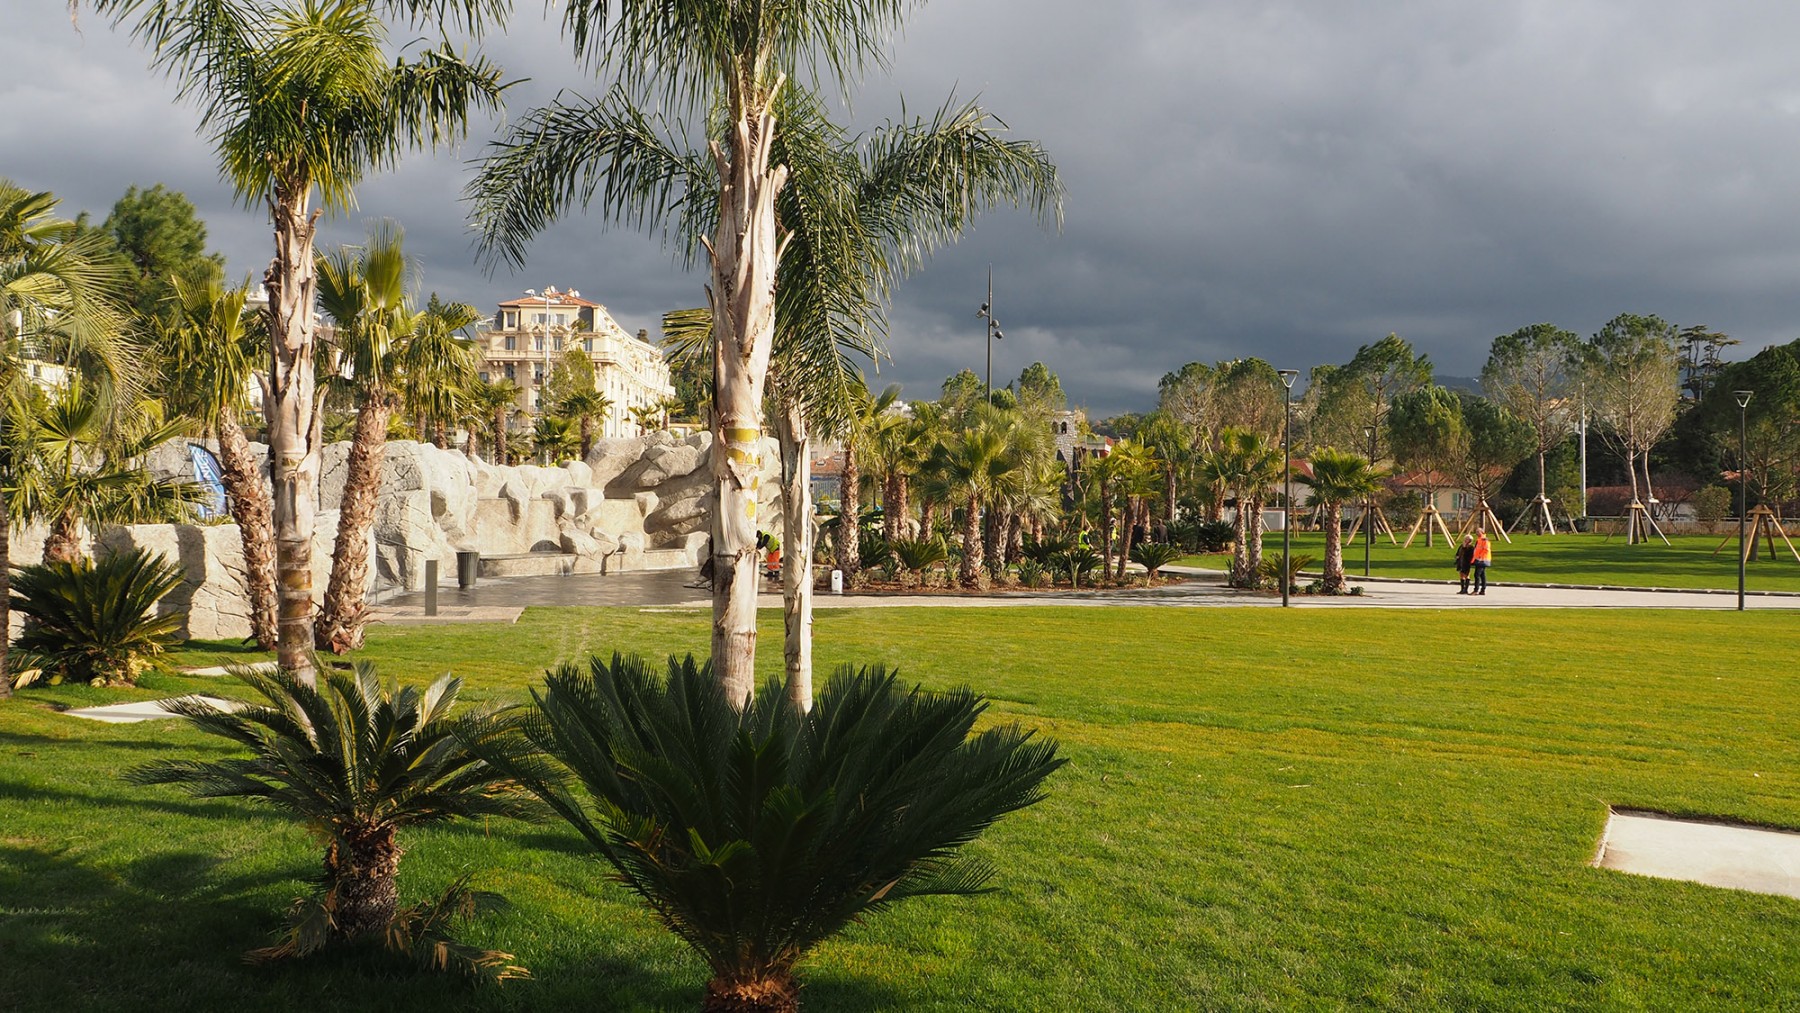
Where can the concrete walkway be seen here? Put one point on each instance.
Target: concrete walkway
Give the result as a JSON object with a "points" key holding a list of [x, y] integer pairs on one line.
{"points": [[1205, 589], [1718, 854]]}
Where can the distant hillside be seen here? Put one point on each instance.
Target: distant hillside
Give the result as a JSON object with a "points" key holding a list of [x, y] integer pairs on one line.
{"points": [[1469, 384]]}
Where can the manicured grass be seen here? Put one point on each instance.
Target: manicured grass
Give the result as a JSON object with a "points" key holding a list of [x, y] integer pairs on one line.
{"points": [[1558, 559], [1265, 810]]}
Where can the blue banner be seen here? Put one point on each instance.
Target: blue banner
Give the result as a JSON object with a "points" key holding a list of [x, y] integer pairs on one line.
{"points": [[211, 478]]}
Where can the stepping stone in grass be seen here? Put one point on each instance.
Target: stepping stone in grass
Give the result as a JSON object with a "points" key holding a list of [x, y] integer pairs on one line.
{"points": [[142, 710], [1728, 855]]}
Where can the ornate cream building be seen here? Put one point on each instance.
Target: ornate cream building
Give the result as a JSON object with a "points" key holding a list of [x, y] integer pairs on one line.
{"points": [[529, 334]]}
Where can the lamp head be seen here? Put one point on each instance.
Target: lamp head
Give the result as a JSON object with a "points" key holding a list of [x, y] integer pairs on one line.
{"points": [[1743, 398], [531, 291], [1287, 377], [1369, 432]]}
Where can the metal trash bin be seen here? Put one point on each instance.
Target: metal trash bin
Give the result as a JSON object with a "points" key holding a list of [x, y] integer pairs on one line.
{"points": [[467, 563]]}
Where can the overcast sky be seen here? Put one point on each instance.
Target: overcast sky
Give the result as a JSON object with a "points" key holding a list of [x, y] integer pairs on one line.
{"points": [[1283, 179]]}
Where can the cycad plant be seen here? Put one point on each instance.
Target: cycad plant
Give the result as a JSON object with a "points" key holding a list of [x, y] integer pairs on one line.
{"points": [[1153, 556], [356, 760], [916, 555], [1279, 567], [756, 834], [95, 620]]}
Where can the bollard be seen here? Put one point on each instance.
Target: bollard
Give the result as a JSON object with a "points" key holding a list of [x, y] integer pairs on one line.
{"points": [[431, 587], [468, 563], [837, 582]]}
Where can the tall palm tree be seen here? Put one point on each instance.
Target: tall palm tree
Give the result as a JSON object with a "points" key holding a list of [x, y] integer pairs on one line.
{"points": [[730, 64], [59, 298], [363, 290], [646, 416], [974, 462], [495, 401], [586, 407], [1249, 464], [860, 427], [1339, 477], [209, 346], [301, 100]]}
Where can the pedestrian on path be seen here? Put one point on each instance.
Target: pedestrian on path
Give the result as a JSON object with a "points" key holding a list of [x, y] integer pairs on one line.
{"points": [[1483, 558], [1465, 561]]}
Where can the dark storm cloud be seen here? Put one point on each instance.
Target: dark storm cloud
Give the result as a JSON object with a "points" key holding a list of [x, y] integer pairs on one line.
{"points": [[1279, 179]]}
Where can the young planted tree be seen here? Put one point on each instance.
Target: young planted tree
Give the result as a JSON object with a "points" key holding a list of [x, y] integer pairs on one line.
{"points": [[1357, 395], [1338, 478], [1531, 373], [1631, 370], [1494, 442], [302, 101], [1425, 430]]}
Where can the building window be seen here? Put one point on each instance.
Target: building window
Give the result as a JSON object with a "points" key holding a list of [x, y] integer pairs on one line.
{"points": [[559, 344], [510, 375], [484, 376], [537, 343], [587, 344], [512, 343]]}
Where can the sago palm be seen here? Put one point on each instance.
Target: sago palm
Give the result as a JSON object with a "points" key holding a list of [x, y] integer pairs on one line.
{"points": [[357, 760], [301, 99], [1339, 477], [96, 621], [756, 834]]}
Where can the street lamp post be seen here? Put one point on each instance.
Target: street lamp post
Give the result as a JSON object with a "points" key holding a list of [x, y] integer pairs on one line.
{"points": [[1369, 506], [1287, 481], [1743, 403], [993, 332]]}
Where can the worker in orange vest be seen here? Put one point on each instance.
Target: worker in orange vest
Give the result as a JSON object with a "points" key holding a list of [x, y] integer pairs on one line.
{"points": [[1484, 557]]}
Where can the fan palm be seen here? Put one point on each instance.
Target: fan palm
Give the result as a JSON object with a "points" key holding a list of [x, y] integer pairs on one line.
{"points": [[585, 407], [1339, 477], [85, 471], [438, 364], [974, 462], [357, 761], [1249, 464], [755, 834], [301, 99], [59, 298], [363, 290], [554, 439], [647, 417], [732, 63]]}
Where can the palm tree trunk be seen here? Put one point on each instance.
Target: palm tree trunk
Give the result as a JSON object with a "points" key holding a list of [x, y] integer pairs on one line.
{"points": [[849, 533], [1125, 537], [340, 625], [1106, 526], [587, 435], [1334, 548], [250, 508], [1169, 492], [890, 511], [903, 504], [971, 537], [928, 509], [770, 991], [744, 256], [63, 545], [290, 403], [1240, 547], [1253, 532], [6, 679], [797, 555], [362, 872], [440, 435], [500, 455], [1015, 537]]}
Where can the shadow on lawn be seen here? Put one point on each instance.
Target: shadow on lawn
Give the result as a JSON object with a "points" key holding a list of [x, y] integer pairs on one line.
{"points": [[124, 800]]}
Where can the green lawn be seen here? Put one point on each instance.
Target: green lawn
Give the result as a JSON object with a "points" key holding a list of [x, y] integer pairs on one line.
{"points": [[1265, 810], [1560, 559]]}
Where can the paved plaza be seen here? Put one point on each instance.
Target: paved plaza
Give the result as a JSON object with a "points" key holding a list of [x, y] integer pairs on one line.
{"points": [[498, 599]]}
